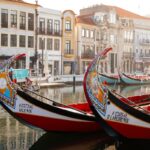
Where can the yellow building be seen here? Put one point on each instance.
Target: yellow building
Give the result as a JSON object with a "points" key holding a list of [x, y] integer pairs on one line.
{"points": [[68, 42]]}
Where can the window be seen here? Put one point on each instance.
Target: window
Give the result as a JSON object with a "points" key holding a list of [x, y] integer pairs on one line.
{"points": [[57, 27], [112, 39], [41, 43], [13, 40], [112, 18], [92, 34], [87, 33], [22, 20], [42, 25], [56, 44], [4, 18], [50, 26], [83, 32], [68, 25], [13, 18], [49, 44], [68, 47], [4, 40], [30, 41], [22, 41], [56, 67], [30, 21]]}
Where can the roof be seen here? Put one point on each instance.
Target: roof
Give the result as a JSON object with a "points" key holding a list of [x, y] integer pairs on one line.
{"points": [[69, 11], [125, 13], [86, 19], [120, 11], [21, 1]]}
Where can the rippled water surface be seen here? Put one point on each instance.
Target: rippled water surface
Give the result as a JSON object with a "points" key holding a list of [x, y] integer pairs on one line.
{"points": [[16, 136]]}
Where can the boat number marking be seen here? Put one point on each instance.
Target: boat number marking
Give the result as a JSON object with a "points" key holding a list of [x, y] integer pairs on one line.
{"points": [[26, 108], [118, 116]]}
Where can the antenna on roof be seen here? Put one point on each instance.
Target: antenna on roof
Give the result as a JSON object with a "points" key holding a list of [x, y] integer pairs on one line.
{"points": [[36, 2]]}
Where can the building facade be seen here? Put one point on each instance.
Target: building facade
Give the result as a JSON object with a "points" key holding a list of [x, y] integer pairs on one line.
{"points": [[49, 35], [86, 42], [17, 30], [68, 43], [62, 43], [119, 29]]}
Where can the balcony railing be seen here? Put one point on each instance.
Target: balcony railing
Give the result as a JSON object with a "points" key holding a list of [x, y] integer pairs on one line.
{"points": [[22, 26], [128, 54], [68, 51], [43, 31], [4, 25], [144, 42], [144, 55], [88, 54]]}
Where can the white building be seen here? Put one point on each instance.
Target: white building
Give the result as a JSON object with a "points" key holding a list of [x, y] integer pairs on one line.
{"points": [[49, 40], [31, 29], [17, 30]]}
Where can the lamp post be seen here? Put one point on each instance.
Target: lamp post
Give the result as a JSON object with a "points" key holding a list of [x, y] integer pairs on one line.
{"points": [[36, 37], [43, 57]]}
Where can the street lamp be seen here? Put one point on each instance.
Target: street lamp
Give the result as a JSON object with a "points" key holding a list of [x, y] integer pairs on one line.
{"points": [[43, 57]]}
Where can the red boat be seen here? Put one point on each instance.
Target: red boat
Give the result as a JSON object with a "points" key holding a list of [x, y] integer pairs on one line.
{"points": [[35, 110], [120, 116]]}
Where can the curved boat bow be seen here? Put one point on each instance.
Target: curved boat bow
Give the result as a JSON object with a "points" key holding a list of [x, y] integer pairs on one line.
{"points": [[119, 116], [37, 111]]}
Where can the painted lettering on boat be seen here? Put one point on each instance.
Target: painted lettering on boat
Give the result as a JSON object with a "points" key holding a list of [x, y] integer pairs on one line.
{"points": [[118, 116], [25, 108]]}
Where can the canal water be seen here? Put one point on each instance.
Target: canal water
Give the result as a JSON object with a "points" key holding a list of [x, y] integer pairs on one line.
{"points": [[16, 136]]}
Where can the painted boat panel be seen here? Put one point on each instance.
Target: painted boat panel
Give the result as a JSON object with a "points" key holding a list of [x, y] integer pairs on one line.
{"points": [[108, 79], [118, 118], [125, 79], [51, 116]]}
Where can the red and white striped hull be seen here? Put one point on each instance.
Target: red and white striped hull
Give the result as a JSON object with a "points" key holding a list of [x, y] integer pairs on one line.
{"points": [[118, 118], [59, 119], [130, 131]]}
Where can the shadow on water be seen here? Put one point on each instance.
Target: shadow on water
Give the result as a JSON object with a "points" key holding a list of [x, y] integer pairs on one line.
{"points": [[86, 141], [132, 145], [73, 141]]}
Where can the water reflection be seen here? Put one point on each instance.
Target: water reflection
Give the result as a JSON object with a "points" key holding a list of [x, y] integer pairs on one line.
{"points": [[133, 90], [64, 95], [15, 136], [72, 141]]}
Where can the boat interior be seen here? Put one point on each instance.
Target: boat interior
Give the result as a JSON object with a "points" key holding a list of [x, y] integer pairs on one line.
{"points": [[141, 102]]}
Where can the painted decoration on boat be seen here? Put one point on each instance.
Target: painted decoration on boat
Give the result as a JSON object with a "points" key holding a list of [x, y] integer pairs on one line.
{"points": [[96, 95], [7, 93], [118, 116]]}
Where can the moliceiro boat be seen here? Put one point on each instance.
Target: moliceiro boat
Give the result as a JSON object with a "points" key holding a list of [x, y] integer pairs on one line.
{"points": [[37, 111], [109, 79], [121, 117], [133, 80]]}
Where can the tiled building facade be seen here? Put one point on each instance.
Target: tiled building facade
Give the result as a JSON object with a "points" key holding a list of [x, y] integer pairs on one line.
{"points": [[65, 43], [127, 33]]}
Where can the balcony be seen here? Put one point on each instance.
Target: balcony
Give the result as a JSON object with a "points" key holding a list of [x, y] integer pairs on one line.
{"points": [[22, 26], [144, 42], [128, 55], [52, 32], [89, 54], [68, 52], [4, 24]]}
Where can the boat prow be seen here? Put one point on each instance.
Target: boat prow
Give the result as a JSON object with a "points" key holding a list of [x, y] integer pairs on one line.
{"points": [[38, 111], [120, 117]]}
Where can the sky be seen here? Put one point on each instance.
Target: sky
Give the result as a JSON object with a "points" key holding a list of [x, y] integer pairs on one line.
{"points": [[141, 7]]}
